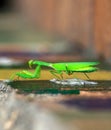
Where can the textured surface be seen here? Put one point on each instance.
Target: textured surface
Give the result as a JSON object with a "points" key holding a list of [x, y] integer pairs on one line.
{"points": [[85, 110]]}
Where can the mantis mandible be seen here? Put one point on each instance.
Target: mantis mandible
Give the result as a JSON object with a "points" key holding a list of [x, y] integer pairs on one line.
{"points": [[58, 68]]}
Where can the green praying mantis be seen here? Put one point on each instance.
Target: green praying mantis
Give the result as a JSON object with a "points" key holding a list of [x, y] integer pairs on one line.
{"points": [[57, 69]]}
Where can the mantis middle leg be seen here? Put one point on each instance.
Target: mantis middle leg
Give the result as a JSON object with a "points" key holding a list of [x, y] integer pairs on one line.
{"points": [[55, 72]]}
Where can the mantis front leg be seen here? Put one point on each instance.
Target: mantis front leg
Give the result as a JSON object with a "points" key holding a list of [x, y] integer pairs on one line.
{"points": [[36, 73], [26, 74]]}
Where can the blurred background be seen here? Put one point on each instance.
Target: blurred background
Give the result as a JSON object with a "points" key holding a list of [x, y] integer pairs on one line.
{"points": [[55, 29]]}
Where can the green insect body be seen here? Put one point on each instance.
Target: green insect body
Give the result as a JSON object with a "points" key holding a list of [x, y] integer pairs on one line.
{"points": [[75, 66], [58, 68]]}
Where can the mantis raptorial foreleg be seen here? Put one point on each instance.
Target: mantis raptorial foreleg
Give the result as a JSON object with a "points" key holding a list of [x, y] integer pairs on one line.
{"points": [[27, 74], [36, 74]]}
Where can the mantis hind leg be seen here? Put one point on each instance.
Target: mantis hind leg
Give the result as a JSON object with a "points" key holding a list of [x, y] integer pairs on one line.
{"points": [[69, 72], [87, 76]]}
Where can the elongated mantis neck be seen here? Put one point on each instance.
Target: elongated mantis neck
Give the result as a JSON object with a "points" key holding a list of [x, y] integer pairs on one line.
{"points": [[41, 63]]}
